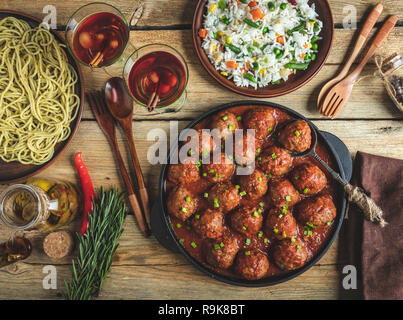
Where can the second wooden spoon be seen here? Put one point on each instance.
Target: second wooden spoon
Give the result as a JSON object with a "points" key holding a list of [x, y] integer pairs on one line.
{"points": [[121, 107]]}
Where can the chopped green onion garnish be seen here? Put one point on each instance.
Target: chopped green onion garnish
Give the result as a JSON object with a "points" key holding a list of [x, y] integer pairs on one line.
{"points": [[194, 245], [247, 253], [239, 118], [216, 246], [247, 242], [273, 156], [275, 230], [178, 225], [225, 118], [288, 198], [256, 214], [205, 195], [242, 193], [261, 204], [260, 234], [237, 186], [197, 216], [306, 190], [181, 240], [187, 199], [297, 133], [184, 210]]}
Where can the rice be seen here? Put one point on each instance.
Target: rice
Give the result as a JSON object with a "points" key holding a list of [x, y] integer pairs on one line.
{"points": [[264, 47]]}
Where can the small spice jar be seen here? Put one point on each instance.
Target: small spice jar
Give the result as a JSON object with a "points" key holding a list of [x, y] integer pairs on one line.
{"points": [[15, 249], [391, 73], [40, 204]]}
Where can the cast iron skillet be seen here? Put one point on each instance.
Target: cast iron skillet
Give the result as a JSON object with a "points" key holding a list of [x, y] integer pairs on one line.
{"points": [[165, 235], [294, 82]]}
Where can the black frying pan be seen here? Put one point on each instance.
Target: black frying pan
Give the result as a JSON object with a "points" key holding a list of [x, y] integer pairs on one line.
{"points": [[165, 235]]}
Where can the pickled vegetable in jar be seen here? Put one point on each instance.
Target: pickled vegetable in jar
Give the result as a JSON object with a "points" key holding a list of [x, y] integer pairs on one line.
{"points": [[40, 204]]}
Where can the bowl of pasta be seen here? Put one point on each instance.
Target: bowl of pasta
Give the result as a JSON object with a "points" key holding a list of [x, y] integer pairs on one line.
{"points": [[42, 96]]}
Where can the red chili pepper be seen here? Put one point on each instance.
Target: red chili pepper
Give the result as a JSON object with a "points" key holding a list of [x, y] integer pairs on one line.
{"points": [[87, 188]]}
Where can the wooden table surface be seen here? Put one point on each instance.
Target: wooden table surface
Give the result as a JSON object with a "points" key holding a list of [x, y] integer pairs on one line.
{"points": [[142, 268]]}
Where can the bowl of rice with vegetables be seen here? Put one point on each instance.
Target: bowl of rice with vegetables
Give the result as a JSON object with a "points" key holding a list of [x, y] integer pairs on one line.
{"points": [[262, 48]]}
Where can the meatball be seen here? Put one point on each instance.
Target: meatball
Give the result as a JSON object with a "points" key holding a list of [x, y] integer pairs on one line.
{"points": [[209, 224], [252, 265], [218, 172], [223, 197], [184, 172], [226, 123], [221, 253], [296, 136], [289, 254], [280, 224], [282, 193], [203, 144], [181, 203], [275, 161], [247, 220], [308, 179], [245, 149], [261, 120], [316, 211], [255, 184]]}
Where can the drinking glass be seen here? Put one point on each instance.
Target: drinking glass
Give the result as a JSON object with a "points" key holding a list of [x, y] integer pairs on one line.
{"points": [[97, 35], [156, 70]]}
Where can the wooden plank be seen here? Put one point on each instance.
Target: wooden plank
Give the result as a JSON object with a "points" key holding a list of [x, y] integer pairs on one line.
{"points": [[178, 12], [205, 93], [173, 282]]}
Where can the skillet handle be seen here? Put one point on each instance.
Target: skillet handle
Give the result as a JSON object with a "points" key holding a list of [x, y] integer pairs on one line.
{"points": [[160, 229]]}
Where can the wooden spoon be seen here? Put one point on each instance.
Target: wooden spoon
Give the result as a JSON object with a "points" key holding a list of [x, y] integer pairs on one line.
{"points": [[366, 29], [335, 99], [121, 107]]}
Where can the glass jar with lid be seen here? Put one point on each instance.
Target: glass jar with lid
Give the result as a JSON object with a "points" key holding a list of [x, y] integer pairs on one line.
{"points": [[39, 204]]}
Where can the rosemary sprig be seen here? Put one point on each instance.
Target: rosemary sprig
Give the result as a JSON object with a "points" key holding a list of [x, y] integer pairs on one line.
{"points": [[97, 247]]}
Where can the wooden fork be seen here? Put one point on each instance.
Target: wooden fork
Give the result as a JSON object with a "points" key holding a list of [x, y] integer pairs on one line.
{"points": [[107, 124], [339, 94], [366, 29]]}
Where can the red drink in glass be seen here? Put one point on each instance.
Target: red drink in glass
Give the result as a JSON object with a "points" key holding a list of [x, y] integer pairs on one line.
{"points": [[160, 72], [100, 39]]}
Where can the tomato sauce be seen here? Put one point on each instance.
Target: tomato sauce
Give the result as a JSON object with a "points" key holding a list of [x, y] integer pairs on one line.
{"points": [[314, 243]]}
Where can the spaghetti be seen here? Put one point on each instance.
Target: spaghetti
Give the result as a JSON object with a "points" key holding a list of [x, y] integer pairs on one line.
{"points": [[37, 98]]}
